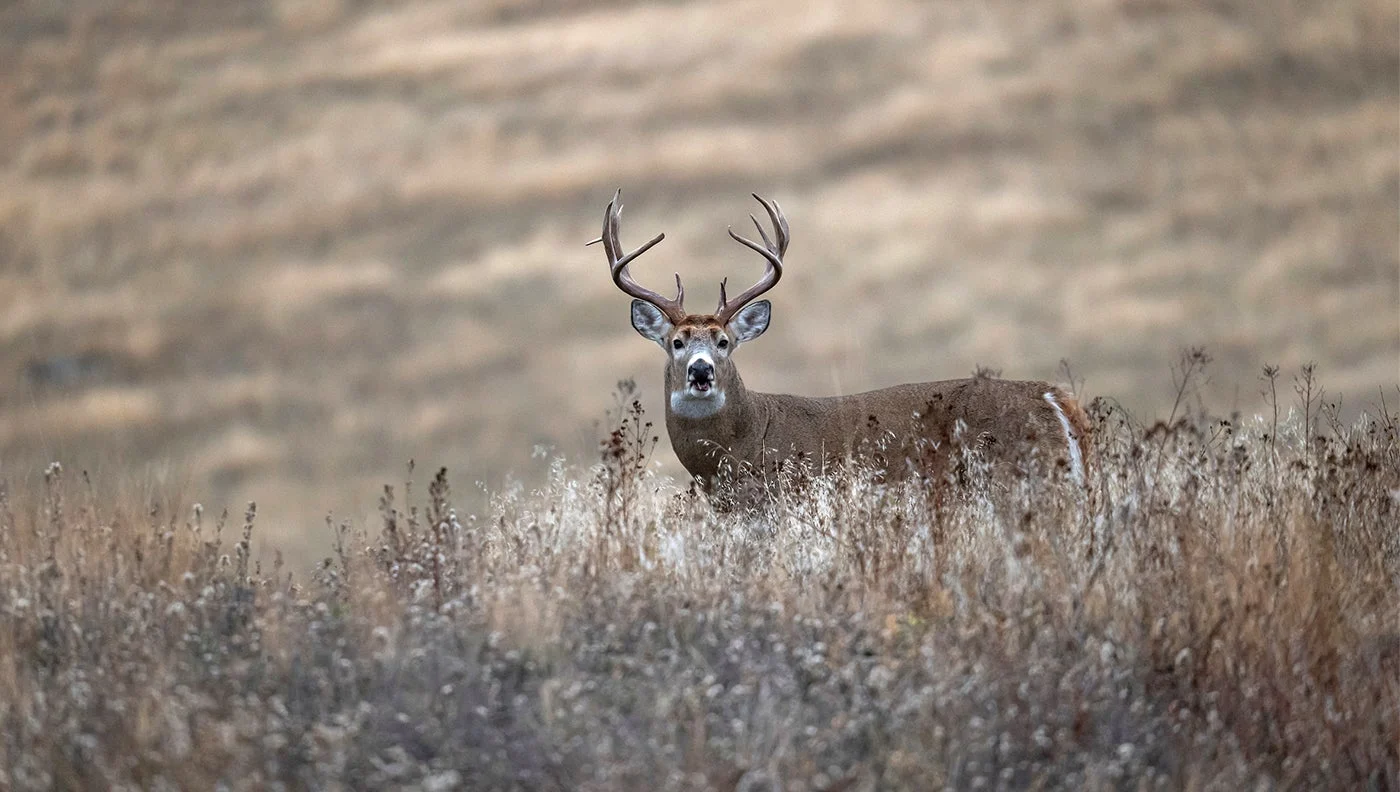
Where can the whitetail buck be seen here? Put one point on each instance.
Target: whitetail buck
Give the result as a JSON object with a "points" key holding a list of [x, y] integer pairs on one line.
{"points": [[717, 425]]}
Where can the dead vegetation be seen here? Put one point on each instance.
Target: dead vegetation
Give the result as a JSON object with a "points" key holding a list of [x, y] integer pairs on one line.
{"points": [[289, 245], [1223, 614]]}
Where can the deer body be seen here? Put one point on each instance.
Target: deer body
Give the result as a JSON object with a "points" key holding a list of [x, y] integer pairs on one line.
{"points": [[763, 430], [720, 428]]}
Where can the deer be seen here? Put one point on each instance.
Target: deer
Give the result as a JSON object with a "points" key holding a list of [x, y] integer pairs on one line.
{"points": [[719, 429]]}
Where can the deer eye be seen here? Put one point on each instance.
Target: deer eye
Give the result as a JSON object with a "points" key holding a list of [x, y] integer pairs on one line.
{"points": [[677, 344], [724, 343]]}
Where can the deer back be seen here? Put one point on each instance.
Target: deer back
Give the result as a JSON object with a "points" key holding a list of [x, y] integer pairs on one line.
{"points": [[1007, 420]]}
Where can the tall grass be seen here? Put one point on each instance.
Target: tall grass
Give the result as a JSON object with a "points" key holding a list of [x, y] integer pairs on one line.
{"points": [[1221, 613]]}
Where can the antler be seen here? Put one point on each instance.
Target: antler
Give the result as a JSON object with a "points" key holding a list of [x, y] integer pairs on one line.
{"points": [[618, 262], [769, 250]]}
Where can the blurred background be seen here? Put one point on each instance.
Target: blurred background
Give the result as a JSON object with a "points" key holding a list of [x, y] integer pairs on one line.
{"points": [[273, 250]]}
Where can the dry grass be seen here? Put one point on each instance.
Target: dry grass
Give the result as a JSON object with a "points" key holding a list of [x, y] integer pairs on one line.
{"points": [[290, 245], [1223, 616]]}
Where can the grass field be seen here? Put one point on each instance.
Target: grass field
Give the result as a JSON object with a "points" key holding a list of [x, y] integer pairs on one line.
{"points": [[271, 251], [1221, 614]]}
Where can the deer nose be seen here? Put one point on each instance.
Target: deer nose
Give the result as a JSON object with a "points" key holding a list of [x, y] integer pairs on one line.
{"points": [[701, 371]]}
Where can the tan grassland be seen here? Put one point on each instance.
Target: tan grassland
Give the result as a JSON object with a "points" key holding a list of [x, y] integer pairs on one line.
{"points": [[1221, 615], [272, 250]]}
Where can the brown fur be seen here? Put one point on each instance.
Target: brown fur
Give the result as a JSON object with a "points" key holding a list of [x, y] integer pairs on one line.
{"points": [[1005, 419], [697, 323], [717, 425]]}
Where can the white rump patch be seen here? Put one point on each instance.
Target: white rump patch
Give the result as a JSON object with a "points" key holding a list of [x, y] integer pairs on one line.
{"points": [[1076, 457]]}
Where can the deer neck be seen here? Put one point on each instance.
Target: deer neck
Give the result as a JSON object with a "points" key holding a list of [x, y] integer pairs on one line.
{"points": [[701, 425]]}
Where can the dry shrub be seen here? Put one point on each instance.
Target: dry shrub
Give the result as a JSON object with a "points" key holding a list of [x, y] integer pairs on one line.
{"points": [[1221, 612]]}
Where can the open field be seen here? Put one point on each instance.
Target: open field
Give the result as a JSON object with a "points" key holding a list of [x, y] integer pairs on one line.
{"points": [[1225, 615], [272, 250]]}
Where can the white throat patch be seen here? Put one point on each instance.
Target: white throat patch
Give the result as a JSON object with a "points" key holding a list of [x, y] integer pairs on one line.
{"points": [[687, 405]]}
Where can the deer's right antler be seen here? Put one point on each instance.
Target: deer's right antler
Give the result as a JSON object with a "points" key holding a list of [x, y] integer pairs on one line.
{"points": [[770, 249], [618, 262]]}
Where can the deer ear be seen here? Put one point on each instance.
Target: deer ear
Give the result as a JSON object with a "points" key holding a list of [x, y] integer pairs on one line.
{"points": [[751, 320], [648, 320]]}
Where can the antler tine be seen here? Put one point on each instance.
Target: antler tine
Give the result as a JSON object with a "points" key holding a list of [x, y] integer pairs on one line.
{"points": [[771, 249], [767, 243], [780, 224], [617, 264], [780, 220]]}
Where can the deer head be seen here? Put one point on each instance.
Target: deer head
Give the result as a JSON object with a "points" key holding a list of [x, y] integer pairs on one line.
{"points": [[700, 371]]}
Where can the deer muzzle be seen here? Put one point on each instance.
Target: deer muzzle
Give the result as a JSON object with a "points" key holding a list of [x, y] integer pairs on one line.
{"points": [[700, 375]]}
